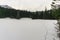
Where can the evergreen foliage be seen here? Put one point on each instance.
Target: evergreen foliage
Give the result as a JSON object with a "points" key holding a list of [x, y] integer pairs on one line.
{"points": [[56, 13], [13, 13]]}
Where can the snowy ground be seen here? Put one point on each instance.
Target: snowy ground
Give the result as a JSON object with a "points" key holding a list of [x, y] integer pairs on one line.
{"points": [[27, 29]]}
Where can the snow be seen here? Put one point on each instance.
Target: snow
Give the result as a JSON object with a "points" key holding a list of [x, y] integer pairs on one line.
{"points": [[27, 29]]}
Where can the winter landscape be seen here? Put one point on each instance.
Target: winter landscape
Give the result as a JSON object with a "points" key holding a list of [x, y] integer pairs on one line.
{"points": [[27, 29], [29, 19]]}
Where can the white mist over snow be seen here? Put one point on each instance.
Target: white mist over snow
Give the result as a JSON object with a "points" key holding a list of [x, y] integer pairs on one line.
{"points": [[27, 29]]}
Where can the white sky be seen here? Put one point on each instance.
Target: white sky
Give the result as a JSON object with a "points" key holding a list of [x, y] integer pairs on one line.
{"points": [[27, 4]]}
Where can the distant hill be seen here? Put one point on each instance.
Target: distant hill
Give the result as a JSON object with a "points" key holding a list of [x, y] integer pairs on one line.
{"points": [[6, 6]]}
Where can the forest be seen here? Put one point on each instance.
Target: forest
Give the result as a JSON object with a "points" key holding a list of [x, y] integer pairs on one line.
{"points": [[17, 14]]}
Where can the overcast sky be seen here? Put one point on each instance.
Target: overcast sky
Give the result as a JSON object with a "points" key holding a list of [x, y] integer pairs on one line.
{"points": [[32, 5]]}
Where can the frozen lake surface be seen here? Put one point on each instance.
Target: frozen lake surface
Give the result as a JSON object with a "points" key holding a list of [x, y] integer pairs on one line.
{"points": [[27, 29]]}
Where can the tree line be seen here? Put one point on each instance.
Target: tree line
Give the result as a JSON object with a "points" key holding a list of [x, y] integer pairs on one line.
{"points": [[17, 14]]}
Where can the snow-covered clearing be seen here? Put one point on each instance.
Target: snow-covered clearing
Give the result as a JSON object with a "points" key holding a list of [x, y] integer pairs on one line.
{"points": [[27, 29]]}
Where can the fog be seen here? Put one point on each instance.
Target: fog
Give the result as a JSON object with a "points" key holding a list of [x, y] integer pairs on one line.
{"points": [[31, 5], [27, 29]]}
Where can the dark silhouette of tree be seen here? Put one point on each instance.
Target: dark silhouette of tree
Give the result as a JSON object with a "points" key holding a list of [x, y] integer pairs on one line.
{"points": [[17, 14]]}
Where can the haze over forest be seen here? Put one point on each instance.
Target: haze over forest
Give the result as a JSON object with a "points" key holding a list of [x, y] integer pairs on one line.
{"points": [[32, 5]]}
